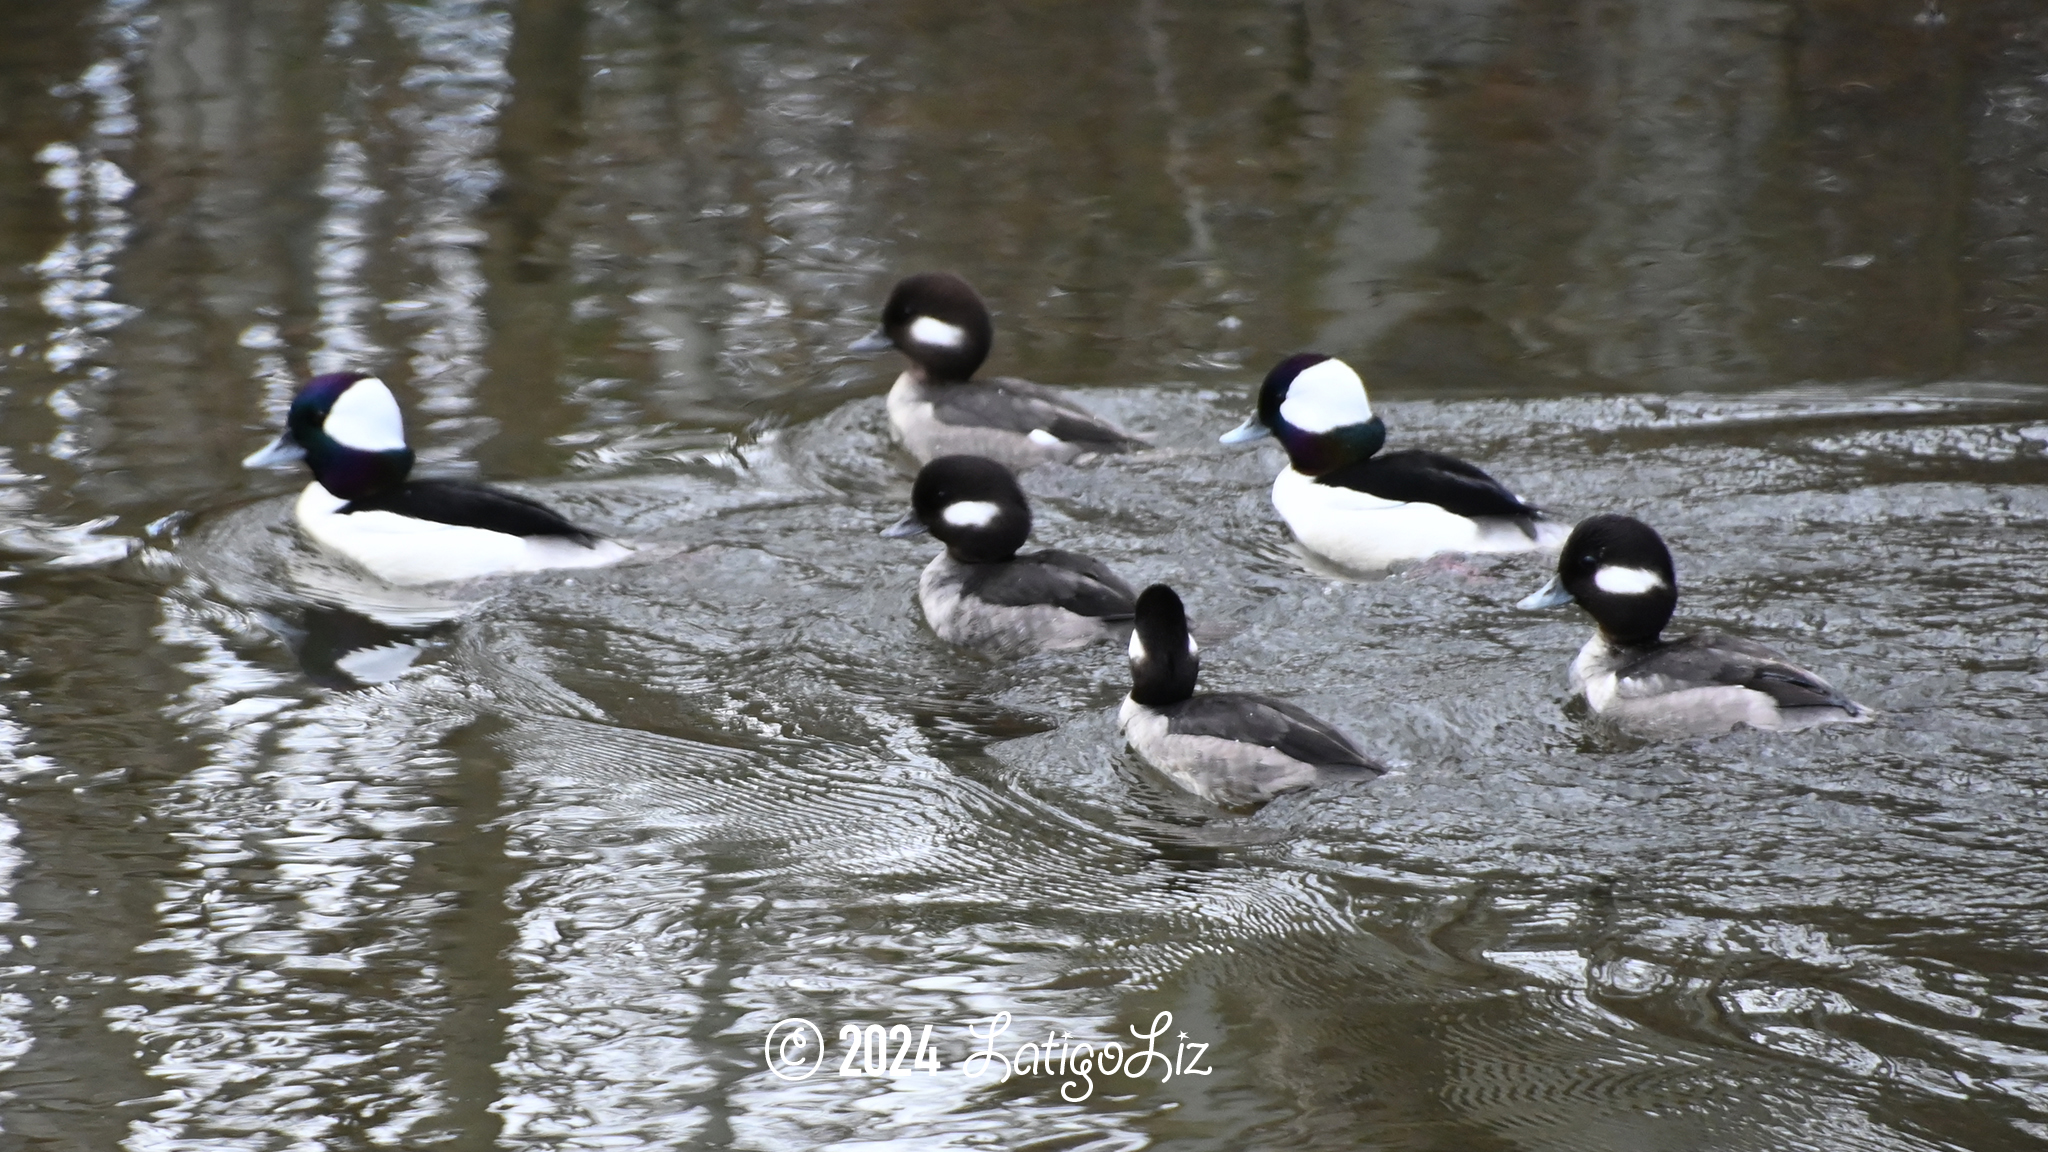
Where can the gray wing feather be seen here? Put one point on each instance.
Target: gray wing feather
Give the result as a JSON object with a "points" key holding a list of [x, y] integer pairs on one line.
{"points": [[1021, 406], [1273, 723], [1716, 658], [1080, 584]]}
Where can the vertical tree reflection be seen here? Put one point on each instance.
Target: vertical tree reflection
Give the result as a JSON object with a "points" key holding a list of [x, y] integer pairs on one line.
{"points": [[528, 288]]}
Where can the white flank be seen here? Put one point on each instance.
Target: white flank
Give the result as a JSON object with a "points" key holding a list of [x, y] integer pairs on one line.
{"points": [[937, 333], [366, 417], [1627, 581], [1325, 396], [1041, 436], [403, 550], [970, 514]]}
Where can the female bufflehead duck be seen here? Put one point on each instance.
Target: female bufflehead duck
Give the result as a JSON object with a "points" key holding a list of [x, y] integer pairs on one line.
{"points": [[1619, 570], [979, 592], [1232, 748], [346, 426], [939, 409], [1349, 502]]}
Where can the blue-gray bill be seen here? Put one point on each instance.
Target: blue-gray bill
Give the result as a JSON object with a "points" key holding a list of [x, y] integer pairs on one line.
{"points": [[910, 525], [1551, 595], [876, 341], [1246, 432], [279, 452]]}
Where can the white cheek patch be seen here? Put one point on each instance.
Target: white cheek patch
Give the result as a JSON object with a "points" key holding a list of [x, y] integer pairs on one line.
{"points": [[1627, 581], [365, 417], [1041, 436], [1325, 396], [937, 333], [970, 514], [1140, 653]]}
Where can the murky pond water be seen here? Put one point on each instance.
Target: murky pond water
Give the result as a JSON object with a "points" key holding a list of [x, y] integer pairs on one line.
{"points": [[295, 861]]}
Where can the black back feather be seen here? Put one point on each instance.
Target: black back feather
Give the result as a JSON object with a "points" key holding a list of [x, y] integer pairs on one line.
{"points": [[469, 505], [1416, 476]]}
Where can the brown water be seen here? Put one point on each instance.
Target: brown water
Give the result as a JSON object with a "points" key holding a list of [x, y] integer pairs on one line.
{"points": [[541, 863]]}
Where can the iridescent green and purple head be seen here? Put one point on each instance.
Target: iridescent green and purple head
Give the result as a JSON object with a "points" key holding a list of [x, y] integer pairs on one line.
{"points": [[1316, 406], [346, 426]]}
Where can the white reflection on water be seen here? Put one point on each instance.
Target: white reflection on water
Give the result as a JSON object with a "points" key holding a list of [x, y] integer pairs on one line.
{"points": [[297, 991], [455, 87], [338, 257]]}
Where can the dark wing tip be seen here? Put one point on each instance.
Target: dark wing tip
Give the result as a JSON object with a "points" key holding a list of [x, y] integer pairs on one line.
{"points": [[1365, 769]]}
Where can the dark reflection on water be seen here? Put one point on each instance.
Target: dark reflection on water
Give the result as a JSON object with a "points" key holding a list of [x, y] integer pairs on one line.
{"points": [[292, 860]]}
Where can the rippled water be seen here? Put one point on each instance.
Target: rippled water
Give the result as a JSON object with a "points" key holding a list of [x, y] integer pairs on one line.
{"points": [[292, 860]]}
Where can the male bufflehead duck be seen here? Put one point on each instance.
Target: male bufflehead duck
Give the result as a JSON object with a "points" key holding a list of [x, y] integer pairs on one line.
{"points": [[1619, 570], [1231, 748], [979, 591], [346, 426], [1347, 501], [939, 409]]}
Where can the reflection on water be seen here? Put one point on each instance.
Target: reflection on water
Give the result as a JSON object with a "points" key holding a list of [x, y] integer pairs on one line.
{"points": [[294, 860]]}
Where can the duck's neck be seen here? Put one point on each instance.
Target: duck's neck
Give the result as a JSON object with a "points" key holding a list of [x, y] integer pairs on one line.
{"points": [[1316, 453], [353, 474]]}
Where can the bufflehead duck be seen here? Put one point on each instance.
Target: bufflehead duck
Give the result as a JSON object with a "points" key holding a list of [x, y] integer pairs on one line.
{"points": [[939, 409], [979, 591], [1232, 748], [346, 426], [1347, 501], [1619, 570]]}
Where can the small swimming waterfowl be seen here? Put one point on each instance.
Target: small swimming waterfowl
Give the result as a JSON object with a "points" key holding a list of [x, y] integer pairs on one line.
{"points": [[1233, 748], [937, 406], [979, 592], [1364, 509], [1618, 569], [362, 503]]}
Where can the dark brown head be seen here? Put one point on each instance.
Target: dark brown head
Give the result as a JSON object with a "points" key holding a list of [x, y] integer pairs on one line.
{"points": [[938, 320], [1620, 572], [1164, 657], [971, 503]]}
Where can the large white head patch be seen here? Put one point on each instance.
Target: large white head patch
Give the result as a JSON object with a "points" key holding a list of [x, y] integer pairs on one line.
{"points": [[365, 417], [1326, 395]]}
